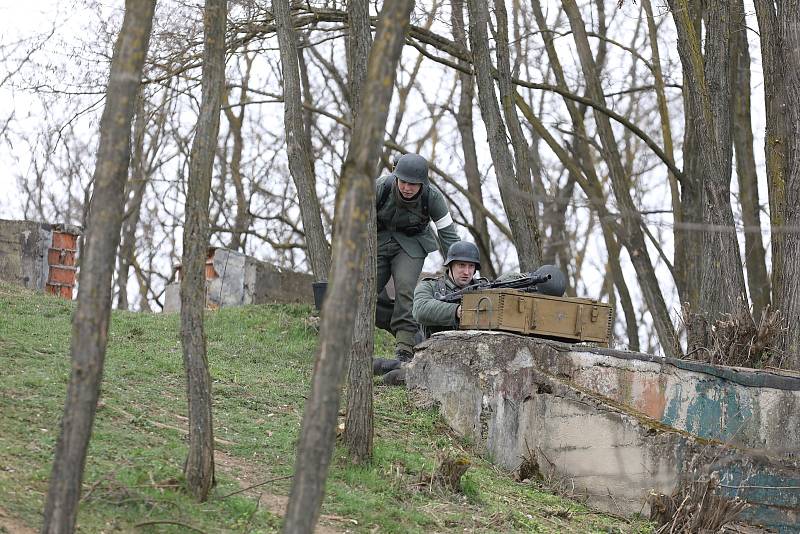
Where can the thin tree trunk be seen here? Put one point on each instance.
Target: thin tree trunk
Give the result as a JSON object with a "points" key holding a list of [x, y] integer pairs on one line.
{"points": [[630, 230], [199, 467], [235, 121], [338, 314], [522, 150], [520, 218], [689, 245], [754, 254], [465, 128], [134, 192], [91, 319], [297, 147], [592, 188], [358, 425], [666, 136]]}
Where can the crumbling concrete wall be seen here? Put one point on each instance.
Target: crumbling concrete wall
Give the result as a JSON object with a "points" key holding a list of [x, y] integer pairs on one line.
{"points": [[492, 389], [39, 256], [235, 279], [746, 407]]}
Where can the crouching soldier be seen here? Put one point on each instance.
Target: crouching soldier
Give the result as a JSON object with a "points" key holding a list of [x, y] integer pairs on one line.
{"points": [[406, 203], [460, 267], [433, 315]]}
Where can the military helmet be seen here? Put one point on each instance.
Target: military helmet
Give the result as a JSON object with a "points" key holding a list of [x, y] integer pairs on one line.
{"points": [[463, 251], [412, 168]]}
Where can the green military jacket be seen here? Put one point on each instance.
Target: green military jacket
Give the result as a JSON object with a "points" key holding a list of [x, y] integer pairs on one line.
{"points": [[432, 314], [397, 215]]}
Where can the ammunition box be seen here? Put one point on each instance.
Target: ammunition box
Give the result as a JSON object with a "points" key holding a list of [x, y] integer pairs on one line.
{"points": [[560, 318]]}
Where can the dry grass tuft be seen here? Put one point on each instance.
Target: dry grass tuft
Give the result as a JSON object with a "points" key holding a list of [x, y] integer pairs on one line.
{"points": [[736, 340], [694, 507]]}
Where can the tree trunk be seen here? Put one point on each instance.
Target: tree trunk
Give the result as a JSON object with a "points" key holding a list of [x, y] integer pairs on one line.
{"points": [[358, 191], [297, 146], [630, 230], [754, 254], [779, 27], [199, 467], [708, 98], [592, 187], [358, 425], [527, 203], [789, 288], [522, 222], [235, 121], [91, 319], [134, 193], [465, 128], [666, 136]]}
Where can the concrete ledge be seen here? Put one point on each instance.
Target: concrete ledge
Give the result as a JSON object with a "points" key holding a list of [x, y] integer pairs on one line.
{"points": [[516, 396]]}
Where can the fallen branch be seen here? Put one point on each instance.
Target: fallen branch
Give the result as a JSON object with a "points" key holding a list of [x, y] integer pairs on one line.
{"points": [[255, 486]]}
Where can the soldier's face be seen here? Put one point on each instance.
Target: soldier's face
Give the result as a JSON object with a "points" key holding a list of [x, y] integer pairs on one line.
{"points": [[462, 272], [408, 190]]}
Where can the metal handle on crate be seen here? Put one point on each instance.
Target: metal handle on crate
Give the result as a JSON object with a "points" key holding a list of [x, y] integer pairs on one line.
{"points": [[489, 310]]}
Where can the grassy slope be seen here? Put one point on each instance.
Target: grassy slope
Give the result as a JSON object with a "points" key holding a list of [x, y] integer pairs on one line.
{"points": [[261, 361]]}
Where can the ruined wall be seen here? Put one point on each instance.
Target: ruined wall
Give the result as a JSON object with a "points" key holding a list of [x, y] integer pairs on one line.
{"points": [[746, 407], [39, 256], [235, 279], [493, 388]]}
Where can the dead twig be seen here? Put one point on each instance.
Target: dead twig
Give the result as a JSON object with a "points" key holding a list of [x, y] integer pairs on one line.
{"points": [[255, 486], [168, 522]]}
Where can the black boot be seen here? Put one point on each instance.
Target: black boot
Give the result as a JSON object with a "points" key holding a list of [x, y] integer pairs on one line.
{"points": [[381, 366], [403, 355], [396, 377]]}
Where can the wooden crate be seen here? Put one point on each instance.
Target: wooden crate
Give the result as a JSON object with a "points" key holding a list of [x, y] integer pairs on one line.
{"points": [[562, 318]]}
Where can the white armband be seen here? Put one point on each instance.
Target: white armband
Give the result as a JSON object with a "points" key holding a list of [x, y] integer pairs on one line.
{"points": [[445, 221]]}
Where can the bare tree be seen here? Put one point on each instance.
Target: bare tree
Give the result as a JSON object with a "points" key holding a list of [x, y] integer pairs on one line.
{"points": [[297, 145], [707, 86], [754, 254], [514, 183], [358, 425], [480, 228], [91, 319], [199, 467], [630, 229], [357, 192]]}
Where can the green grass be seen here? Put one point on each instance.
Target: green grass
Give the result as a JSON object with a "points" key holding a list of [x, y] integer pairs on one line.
{"points": [[261, 359]]}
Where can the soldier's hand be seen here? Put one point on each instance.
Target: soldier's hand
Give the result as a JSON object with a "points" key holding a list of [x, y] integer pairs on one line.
{"points": [[458, 312]]}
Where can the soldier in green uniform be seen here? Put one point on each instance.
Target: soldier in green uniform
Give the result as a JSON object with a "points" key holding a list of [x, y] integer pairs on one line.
{"points": [[406, 204], [433, 315]]}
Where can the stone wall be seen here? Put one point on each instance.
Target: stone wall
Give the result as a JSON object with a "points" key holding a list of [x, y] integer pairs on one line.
{"points": [[234, 279], [518, 397]]}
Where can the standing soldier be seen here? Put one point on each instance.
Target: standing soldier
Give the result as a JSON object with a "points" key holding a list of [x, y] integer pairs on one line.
{"points": [[406, 203]]}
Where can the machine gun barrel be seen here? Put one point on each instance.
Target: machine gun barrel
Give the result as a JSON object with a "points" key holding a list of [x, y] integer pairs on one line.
{"points": [[526, 282]]}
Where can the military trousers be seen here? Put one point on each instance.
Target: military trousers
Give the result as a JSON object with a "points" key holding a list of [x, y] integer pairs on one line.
{"points": [[394, 262]]}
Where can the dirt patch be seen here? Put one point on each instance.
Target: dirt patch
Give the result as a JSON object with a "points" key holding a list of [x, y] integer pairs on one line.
{"points": [[12, 525], [247, 476]]}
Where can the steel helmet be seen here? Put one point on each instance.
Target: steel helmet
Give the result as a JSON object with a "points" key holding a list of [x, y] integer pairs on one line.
{"points": [[411, 168], [463, 251]]}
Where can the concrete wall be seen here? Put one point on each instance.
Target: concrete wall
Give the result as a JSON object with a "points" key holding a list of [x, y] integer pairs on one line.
{"points": [[492, 389], [746, 407], [234, 279]]}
